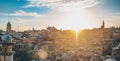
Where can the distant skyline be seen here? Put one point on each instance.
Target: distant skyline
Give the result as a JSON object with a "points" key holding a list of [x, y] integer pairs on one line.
{"points": [[65, 14]]}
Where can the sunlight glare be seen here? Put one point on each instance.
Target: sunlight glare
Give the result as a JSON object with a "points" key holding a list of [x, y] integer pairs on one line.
{"points": [[78, 21]]}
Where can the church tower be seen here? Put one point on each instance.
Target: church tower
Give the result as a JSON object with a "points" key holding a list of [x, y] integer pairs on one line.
{"points": [[8, 27], [103, 25]]}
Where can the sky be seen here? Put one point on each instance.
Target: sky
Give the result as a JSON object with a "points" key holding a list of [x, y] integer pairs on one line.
{"points": [[65, 14]]}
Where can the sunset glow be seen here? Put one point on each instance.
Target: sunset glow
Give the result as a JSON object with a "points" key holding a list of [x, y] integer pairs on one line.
{"points": [[78, 19], [74, 15], [59, 30]]}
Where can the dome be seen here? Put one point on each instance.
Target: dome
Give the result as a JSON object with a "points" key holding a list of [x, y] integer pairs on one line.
{"points": [[6, 37], [110, 59], [8, 24]]}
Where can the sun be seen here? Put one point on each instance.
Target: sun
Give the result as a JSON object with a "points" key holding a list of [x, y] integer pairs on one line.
{"points": [[78, 20]]}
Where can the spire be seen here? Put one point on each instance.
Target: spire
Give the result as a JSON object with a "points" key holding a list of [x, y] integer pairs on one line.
{"points": [[103, 24]]}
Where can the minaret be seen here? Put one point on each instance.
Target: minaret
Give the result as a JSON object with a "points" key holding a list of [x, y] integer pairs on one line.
{"points": [[6, 47], [33, 29], [103, 25], [8, 27]]}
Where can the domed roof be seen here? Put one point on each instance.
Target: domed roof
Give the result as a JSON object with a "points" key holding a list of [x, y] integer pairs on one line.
{"points": [[110, 59], [8, 24], [6, 37]]}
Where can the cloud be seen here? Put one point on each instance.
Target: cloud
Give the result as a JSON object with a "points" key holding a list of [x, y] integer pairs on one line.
{"points": [[62, 3], [23, 13]]}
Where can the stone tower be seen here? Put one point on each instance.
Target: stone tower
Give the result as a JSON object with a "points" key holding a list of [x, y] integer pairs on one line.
{"points": [[6, 48], [8, 27]]}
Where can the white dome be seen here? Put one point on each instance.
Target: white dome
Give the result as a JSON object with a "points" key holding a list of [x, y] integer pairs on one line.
{"points": [[110, 59]]}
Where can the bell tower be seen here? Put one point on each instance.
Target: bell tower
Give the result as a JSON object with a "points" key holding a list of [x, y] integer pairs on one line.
{"points": [[8, 27]]}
